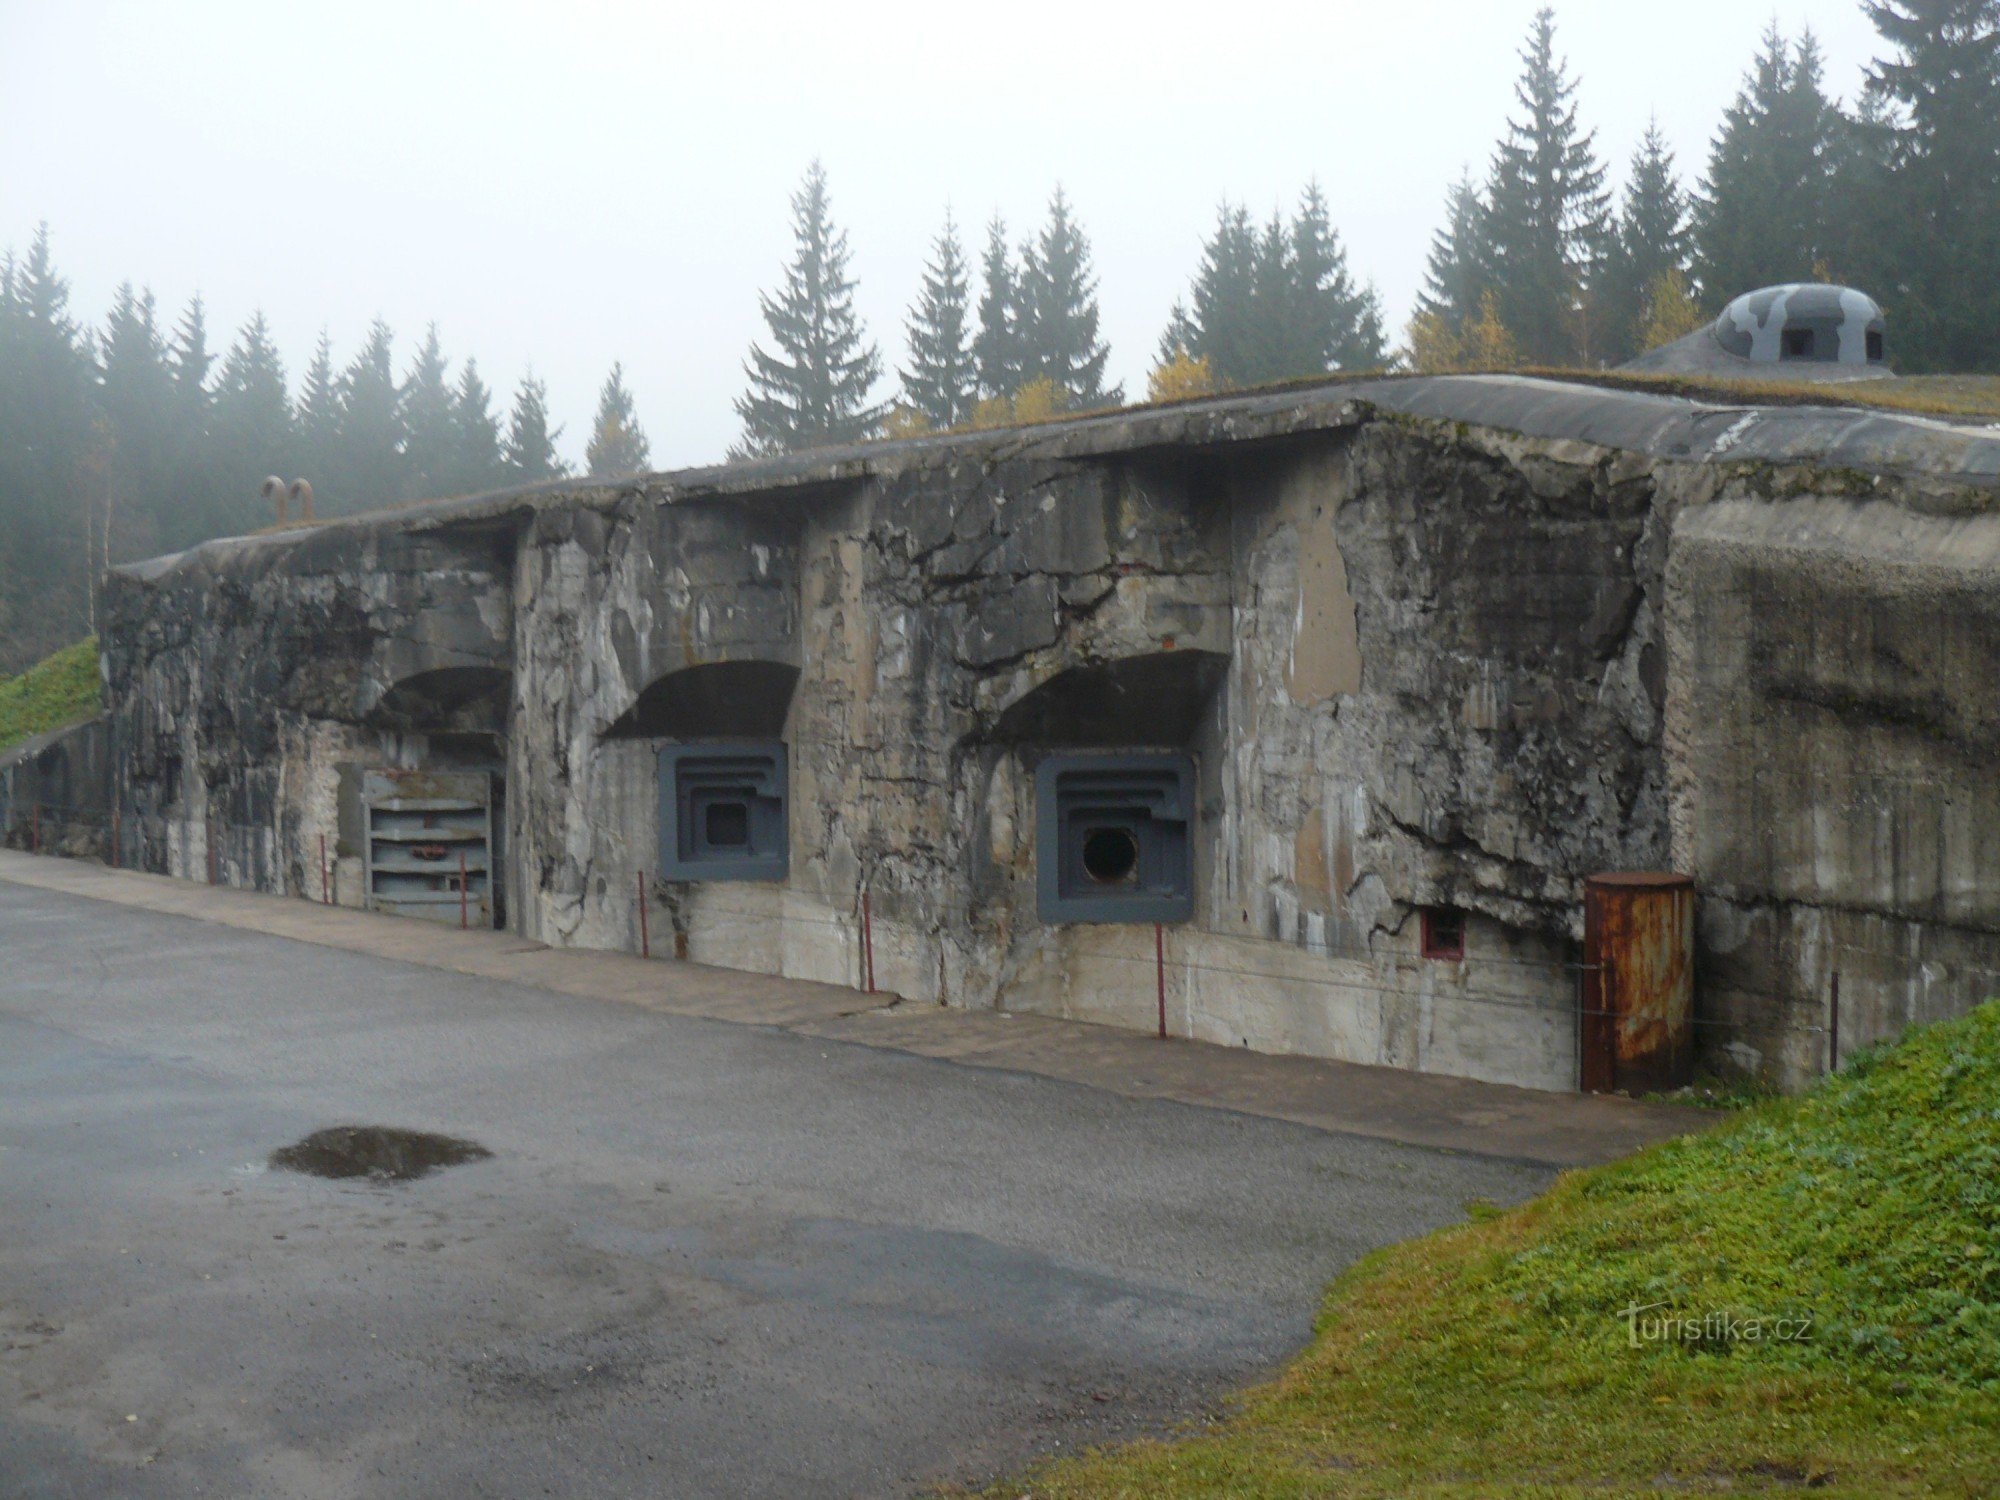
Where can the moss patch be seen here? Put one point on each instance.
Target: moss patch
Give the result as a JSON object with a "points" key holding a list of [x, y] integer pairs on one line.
{"points": [[1499, 1357], [58, 690]]}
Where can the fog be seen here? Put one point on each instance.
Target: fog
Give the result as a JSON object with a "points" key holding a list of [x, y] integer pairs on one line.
{"points": [[572, 184]]}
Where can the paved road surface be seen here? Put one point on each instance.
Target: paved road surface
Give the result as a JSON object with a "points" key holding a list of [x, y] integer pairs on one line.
{"points": [[703, 1259]]}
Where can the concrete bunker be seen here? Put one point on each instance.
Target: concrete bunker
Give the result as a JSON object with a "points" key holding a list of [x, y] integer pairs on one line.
{"points": [[1813, 331], [1111, 747], [428, 846], [721, 767], [712, 700], [724, 811], [456, 703], [430, 823], [1114, 838], [1442, 646]]}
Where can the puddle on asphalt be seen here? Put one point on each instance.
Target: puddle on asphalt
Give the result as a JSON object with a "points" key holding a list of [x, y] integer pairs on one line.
{"points": [[380, 1153]]}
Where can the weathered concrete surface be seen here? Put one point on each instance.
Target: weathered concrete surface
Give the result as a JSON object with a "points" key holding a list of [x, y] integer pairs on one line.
{"points": [[243, 691], [609, 603], [1413, 634], [1389, 1104], [55, 791], [702, 1260], [1837, 717]]}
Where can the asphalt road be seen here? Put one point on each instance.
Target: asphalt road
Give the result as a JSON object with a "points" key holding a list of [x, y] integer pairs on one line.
{"points": [[703, 1258]]}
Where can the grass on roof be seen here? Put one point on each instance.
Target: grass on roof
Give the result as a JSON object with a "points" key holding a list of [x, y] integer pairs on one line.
{"points": [[1965, 397], [58, 690], [1502, 1358], [1960, 396]]}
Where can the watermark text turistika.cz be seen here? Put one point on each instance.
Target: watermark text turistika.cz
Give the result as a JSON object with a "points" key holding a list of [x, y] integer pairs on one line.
{"points": [[1712, 1327]]}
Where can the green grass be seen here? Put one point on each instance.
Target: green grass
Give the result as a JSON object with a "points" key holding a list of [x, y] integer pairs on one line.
{"points": [[1712, 1091], [1492, 1359], [58, 690]]}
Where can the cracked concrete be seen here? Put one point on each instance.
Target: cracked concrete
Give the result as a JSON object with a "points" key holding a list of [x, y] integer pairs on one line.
{"points": [[1456, 642]]}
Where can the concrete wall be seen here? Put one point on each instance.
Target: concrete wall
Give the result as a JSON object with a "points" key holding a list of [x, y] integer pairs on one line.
{"points": [[608, 602], [250, 683], [1836, 712], [55, 792], [1454, 643]]}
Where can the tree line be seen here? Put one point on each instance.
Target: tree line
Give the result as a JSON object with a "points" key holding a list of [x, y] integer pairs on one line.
{"points": [[1017, 337], [1534, 265], [1899, 195], [137, 438]]}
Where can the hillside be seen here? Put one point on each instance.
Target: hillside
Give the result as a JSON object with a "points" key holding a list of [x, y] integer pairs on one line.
{"points": [[57, 690], [1503, 1357]]}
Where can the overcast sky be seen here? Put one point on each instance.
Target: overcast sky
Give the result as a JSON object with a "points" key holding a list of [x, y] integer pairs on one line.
{"points": [[569, 184]]}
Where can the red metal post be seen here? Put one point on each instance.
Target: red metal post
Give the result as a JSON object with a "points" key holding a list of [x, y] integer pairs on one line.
{"points": [[1160, 971], [867, 944], [325, 886], [464, 920], [645, 938]]}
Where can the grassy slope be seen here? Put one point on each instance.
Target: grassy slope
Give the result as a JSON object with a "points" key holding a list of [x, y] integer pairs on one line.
{"points": [[1490, 1359], [57, 690]]}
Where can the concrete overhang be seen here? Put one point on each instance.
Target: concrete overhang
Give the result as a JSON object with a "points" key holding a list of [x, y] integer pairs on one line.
{"points": [[1597, 412]]}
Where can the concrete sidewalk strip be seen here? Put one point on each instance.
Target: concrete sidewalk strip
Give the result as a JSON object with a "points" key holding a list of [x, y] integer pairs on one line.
{"points": [[1455, 1114]]}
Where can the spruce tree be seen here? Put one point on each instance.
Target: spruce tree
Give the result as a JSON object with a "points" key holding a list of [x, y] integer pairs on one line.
{"points": [[1275, 300], [1865, 239], [368, 469], [10, 336], [476, 464], [1763, 215], [617, 445], [1652, 239], [1938, 260], [940, 382], [1219, 323], [529, 451], [430, 427], [48, 449], [812, 387], [1459, 270], [1059, 341], [253, 426], [996, 348], [317, 422], [1332, 324], [136, 397], [197, 510], [1547, 209], [1275, 303], [1178, 338], [13, 450], [190, 362]]}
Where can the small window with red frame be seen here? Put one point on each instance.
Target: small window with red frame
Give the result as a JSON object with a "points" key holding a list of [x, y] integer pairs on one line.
{"points": [[1444, 933]]}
